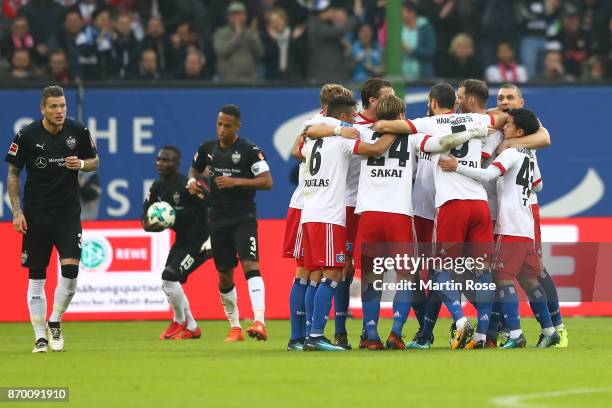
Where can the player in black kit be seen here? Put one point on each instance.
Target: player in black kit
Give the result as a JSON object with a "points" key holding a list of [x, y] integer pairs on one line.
{"points": [[192, 245], [234, 168], [53, 151]]}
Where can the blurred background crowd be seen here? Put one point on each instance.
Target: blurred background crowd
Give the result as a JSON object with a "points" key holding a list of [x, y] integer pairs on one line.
{"points": [[297, 40]]}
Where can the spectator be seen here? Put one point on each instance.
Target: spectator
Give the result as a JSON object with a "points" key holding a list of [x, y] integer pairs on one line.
{"points": [[571, 41], [366, 55], [506, 69], [175, 12], [95, 46], [597, 69], [540, 15], [147, 67], [500, 22], [553, 70], [44, 16], [58, 71], [193, 67], [297, 14], [597, 20], [327, 28], [65, 39], [418, 43], [19, 37], [126, 47], [460, 61], [156, 39], [238, 47], [21, 65], [284, 48], [447, 23], [87, 9], [186, 38]]}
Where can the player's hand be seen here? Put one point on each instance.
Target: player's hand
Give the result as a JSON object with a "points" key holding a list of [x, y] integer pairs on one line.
{"points": [[505, 144], [349, 133], [195, 189], [226, 182], [73, 163], [491, 130], [152, 226], [19, 222], [448, 163]]}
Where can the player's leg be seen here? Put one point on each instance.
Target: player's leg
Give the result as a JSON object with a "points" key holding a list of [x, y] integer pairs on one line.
{"points": [[547, 282], [247, 245], [480, 238], [35, 254], [450, 230], [292, 248], [507, 264], [224, 255], [400, 229], [342, 296], [329, 253], [67, 237]]}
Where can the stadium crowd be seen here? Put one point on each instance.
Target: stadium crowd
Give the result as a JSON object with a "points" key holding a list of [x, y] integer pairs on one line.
{"points": [[496, 40]]}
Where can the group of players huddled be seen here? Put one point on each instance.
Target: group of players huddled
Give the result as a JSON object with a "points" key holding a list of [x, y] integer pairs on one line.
{"points": [[461, 181]]}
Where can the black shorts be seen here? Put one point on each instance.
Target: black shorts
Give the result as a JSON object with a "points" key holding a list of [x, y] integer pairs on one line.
{"points": [[182, 260], [233, 242], [45, 231]]}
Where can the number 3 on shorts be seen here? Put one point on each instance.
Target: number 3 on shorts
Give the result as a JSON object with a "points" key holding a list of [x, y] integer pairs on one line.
{"points": [[253, 244]]}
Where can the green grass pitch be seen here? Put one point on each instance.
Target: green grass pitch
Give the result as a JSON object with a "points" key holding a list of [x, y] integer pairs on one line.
{"points": [[116, 364]]}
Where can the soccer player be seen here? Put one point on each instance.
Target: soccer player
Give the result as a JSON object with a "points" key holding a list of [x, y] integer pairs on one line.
{"points": [[53, 150], [515, 247], [462, 214], [300, 287], [191, 247], [237, 168], [509, 97], [323, 240]]}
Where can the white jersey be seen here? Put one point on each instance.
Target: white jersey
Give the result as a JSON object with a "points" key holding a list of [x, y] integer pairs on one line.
{"points": [[489, 155], [537, 179], [385, 183], [452, 185], [297, 198], [424, 191], [352, 179], [514, 187], [327, 163]]}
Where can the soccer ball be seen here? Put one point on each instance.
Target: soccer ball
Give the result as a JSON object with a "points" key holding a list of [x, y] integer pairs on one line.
{"points": [[162, 213]]}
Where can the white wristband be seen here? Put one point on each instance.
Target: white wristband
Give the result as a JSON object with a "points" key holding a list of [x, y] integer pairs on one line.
{"points": [[82, 164], [191, 180], [337, 130]]}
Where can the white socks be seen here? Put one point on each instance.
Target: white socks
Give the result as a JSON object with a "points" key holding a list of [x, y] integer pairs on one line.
{"points": [[461, 322], [37, 304], [191, 323], [230, 306], [257, 293], [64, 292], [176, 297]]}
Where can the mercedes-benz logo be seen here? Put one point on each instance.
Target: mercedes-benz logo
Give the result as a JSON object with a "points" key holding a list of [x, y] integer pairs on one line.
{"points": [[41, 162]]}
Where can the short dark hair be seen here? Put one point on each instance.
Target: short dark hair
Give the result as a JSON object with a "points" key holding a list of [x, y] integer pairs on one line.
{"points": [[52, 91], [371, 89], [509, 85], [410, 5], [339, 105], [444, 94], [525, 119], [173, 149], [231, 110], [478, 89]]}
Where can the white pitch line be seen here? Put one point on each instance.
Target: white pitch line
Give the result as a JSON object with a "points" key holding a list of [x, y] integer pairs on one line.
{"points": [[520, 400]]}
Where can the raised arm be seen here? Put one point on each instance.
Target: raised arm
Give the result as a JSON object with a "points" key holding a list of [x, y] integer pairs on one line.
{"points": [[320, 131], [14, 190], [393, 126], [378, 148], [537, 140], [448, 142]]}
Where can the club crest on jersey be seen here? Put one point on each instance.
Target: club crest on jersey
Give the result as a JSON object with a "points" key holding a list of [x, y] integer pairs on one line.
{"points": [[340, 258], [13, 149], [236, 157], [71, 142], [176, 197]]}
